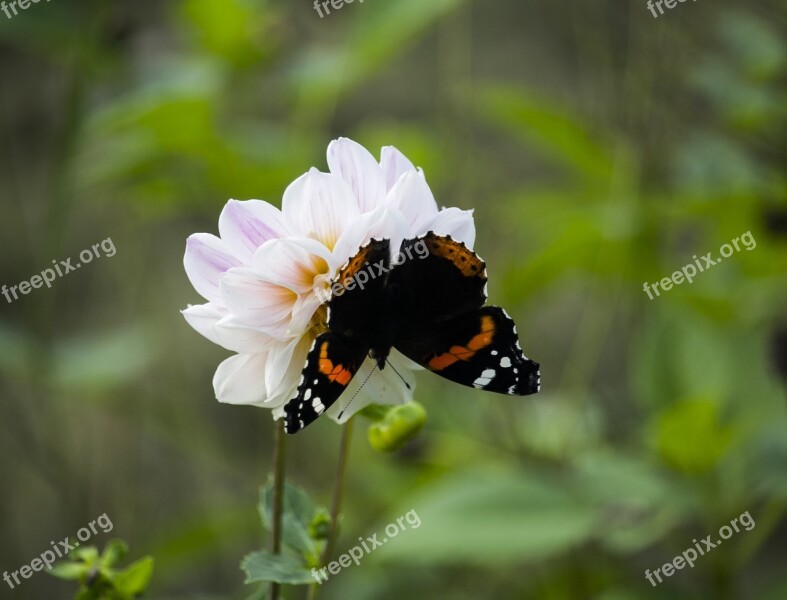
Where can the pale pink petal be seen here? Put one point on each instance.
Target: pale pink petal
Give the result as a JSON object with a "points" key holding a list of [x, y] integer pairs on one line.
{"points": [[384, 222], [246, 225], [412, 196], [381, 387], [293, 263], [319, 205], [394, 164], [206, 258], [241, 380], [353, 163], [452, 221], [256, 303]]}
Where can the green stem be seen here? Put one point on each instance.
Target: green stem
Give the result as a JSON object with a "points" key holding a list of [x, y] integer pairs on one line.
{"points": [[336, 502], [278, 496]]}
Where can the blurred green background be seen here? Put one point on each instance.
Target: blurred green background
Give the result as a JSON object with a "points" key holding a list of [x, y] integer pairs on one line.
{"points": [[600, 147]]}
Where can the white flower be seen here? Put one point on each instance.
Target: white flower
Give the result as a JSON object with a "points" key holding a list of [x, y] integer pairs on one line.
{"points": [[267, 273]]}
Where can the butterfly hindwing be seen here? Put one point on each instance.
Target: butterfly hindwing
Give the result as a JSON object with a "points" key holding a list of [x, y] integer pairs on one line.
{"points": [[479, 349], [330, 366]]}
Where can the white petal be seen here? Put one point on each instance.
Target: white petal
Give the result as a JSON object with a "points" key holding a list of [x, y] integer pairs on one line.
{"points": [[293, 263], [412, 196], [210, 320], [256, 303], [246, 225], [452, 221], [241, 380], [206, 258], [385, 222], [318, 205], [394, 164], [382, 387], [353, 163], [303, 311], [203, 319], [284, 367]]}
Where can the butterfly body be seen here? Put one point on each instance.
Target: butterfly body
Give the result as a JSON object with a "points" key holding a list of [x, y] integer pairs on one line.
{"points": [[427, 303]]}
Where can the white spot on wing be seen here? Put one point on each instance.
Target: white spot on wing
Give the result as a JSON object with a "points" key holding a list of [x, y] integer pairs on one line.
{"points": [[505, 362], [485, 378], [307, 394]]}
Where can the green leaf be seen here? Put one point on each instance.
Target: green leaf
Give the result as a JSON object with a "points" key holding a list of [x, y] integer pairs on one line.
{"points": [[540, 123], [691, 437], [114, 552], [639, 505], [298, 511], [492, 519], [375, 37], [87, 554], [87, 594], [234, 30], [134, 579], [264, 566], [69, 570]]}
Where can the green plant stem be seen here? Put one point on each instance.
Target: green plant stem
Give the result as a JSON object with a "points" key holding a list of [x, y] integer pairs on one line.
{"points": [[278, 495], [336, 501]]}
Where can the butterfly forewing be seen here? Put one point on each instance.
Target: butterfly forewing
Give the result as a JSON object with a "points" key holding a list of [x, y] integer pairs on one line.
{"points": [[444, 281], [331, 364]]}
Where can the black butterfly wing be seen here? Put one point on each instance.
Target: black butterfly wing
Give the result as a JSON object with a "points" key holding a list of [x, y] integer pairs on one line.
{"points": [[354, 309], [479, 349], [339, 352], [331, 364], [440, 278]]}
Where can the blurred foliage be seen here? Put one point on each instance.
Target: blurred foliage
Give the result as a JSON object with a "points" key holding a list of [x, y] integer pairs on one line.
{"points": [[600, 149], [303, 527], [97, 576]]}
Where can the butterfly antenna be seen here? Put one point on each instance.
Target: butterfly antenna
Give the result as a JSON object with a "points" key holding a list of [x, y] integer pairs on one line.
{"points": [[398, 373], [346, 406]]}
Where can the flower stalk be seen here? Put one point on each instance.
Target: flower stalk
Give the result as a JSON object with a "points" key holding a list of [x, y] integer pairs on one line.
{"points": [[336, 501], [278, 496]]}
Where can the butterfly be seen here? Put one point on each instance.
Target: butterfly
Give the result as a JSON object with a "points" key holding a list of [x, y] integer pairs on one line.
{"points": [[427, 302]]}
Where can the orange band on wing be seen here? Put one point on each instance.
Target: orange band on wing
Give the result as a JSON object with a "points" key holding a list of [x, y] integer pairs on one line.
{"points": [[336, 374], [457, 353]]}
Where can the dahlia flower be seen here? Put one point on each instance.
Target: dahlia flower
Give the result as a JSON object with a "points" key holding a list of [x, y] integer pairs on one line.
{"points": [[267, 274]]}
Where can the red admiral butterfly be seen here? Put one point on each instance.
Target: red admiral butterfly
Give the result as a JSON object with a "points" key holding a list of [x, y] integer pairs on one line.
{"points": [[430, 308]]}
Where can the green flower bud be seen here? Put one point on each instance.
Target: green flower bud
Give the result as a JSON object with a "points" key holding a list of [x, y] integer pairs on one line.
{"points": [[320, 526], [399, 426]]}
